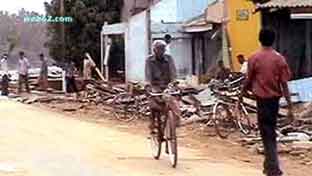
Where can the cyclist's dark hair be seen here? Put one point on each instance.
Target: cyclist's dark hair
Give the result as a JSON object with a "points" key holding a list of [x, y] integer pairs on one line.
{"points": [[267, 37]]}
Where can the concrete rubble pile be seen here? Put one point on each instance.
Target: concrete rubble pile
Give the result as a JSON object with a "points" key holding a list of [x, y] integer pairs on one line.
{"points": [[294, 139], [55, 74]]}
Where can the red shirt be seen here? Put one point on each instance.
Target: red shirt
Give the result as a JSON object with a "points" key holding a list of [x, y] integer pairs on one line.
{"points": [[267, 69]]}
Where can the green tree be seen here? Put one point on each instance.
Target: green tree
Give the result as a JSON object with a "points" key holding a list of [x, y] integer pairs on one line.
{"points": [[83, 34]]}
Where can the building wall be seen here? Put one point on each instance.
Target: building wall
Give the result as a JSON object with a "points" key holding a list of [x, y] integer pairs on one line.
{"points": [[243, 34], [178, 10], [136, 48], [188, 9], [165, 11], [181, 50], [130, 5], [293, 40]]}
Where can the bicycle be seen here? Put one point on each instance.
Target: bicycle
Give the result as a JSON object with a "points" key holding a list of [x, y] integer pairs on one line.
{"points": [[229, 113], [225, 114], [131, 104], [166, 126]]}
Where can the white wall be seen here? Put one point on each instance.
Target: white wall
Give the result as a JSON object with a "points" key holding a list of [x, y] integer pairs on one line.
{"points": [[178, 10], [181, 50], [165, 10], [136, 48]]}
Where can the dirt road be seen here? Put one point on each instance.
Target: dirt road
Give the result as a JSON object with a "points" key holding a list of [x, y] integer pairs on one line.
{"points": [[37, 142]]}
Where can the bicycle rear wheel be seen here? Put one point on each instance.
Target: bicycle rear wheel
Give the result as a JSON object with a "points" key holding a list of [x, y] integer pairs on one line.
{"points": [[243, 120], [124, 107], [171, 137], [223, 121]]}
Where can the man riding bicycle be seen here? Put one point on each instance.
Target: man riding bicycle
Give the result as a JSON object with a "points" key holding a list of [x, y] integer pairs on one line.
{"points": [[160, 70]]}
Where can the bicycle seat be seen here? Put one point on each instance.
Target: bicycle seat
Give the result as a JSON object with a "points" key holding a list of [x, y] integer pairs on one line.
{"points": [[134, 82]]}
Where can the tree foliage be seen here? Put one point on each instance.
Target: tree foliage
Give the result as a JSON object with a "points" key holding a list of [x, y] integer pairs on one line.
{"points": [[16, 35], [83, 34]]}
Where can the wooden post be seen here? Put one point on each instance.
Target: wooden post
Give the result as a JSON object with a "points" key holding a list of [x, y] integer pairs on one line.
{"points": [[96, 69], [308, 53], [102, 54], [103, 41], [108, 44], [148, 26], [62, 28]]}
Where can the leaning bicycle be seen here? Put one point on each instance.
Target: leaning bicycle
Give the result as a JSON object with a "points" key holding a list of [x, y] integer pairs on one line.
{"points": [[229, 113], [131, 104]]}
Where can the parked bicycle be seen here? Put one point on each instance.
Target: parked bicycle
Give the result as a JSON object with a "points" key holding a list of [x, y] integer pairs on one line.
{"points": [[226, 113], [131, 104], [229, 113]]}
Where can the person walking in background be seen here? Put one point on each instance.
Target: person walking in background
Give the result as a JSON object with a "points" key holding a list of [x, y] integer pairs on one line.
{"points": [[88, 65], [43, 77], [23, 67], [5, 75], [267, 77], [243, 62]]}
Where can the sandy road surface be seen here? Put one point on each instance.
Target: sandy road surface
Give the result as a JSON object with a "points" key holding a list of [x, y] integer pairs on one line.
{"points": [[36, 142]]}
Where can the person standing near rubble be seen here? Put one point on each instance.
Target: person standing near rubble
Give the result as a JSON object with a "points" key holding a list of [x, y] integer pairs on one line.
{"points": [[267, 77], [43, 77], [70, 69], [88, 65], [243, 62], [168, 40], [222, 72], [5, 76], [23, 67]]}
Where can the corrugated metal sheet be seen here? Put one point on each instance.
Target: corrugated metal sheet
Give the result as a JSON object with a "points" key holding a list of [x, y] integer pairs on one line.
{"points": [[303, 87], [198, 24], [286, 4], [215, 12]]}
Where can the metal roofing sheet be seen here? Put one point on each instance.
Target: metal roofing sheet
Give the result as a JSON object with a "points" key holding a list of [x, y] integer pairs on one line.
{"points": [[286, 4]]}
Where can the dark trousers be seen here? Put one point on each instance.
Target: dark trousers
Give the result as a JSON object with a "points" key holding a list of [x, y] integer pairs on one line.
{"points": [[267, 120], [23, 79], [5, 85], [71, 86], [157, 106]]}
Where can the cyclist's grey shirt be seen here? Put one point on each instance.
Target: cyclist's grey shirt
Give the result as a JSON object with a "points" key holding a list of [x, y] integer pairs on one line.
{"points": [[160, 72]]}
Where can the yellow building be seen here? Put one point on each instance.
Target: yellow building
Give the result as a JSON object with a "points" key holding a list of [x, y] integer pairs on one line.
{"points": [[243, 28]]}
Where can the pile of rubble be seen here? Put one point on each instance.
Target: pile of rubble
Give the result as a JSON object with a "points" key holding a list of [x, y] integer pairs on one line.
{"points": [[296, 144], [294, 139]]}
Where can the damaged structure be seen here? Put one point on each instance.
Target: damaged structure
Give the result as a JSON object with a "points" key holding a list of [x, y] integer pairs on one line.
{"points": [[292, 19], [194, 45]]}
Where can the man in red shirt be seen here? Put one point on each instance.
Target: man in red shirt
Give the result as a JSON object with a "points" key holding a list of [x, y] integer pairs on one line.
{"points": [[267, 77]]}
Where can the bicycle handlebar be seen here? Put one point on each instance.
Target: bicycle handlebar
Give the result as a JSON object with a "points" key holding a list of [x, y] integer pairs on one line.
{"points": [[171, 89]]}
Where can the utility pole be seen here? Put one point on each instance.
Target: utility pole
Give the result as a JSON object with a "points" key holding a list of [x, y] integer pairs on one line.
{"points": [[62, 28], [148, 26]]}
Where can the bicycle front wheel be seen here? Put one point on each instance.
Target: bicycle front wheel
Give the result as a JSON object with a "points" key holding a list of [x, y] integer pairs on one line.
{"points": [[171, 137], [223, 120]]}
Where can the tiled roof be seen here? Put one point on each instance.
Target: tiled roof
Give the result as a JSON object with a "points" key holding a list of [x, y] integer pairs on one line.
{"points": [[286, 4]]}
